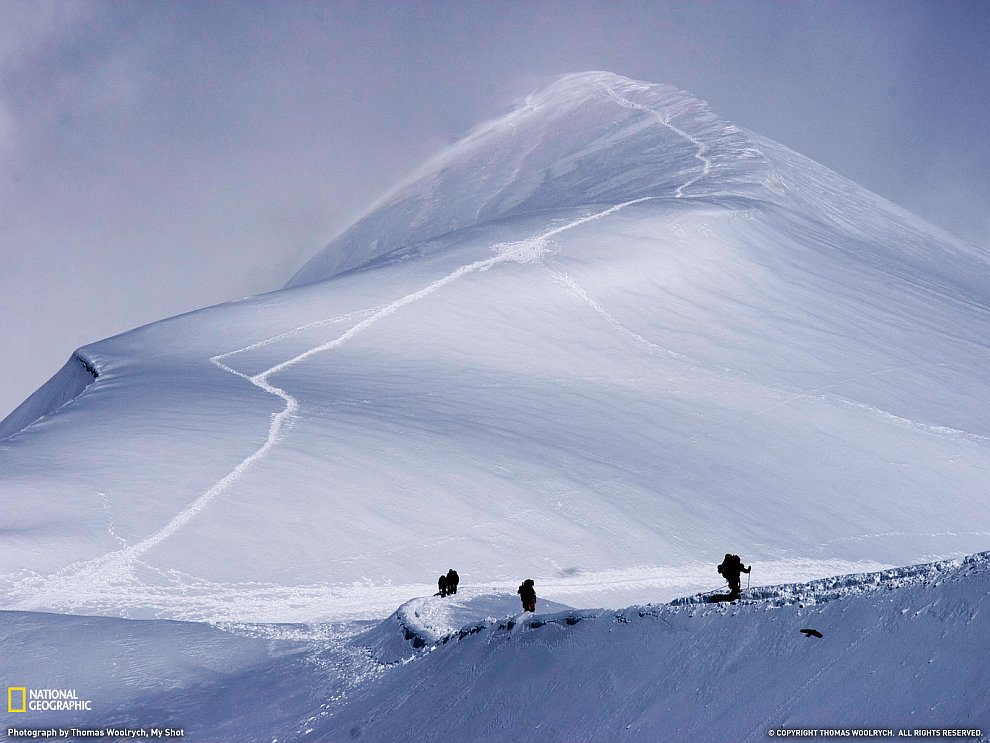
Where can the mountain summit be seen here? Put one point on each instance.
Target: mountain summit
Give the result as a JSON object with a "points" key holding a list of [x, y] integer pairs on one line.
{"points": [[599, 138], [589, 138], [599, 342]]}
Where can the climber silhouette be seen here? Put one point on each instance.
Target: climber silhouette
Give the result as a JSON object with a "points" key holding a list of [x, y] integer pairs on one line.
{"points": [[527, 593], [731, 569]]}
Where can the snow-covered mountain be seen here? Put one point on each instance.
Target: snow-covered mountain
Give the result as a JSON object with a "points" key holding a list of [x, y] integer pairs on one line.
{"points": [[598, 342]]}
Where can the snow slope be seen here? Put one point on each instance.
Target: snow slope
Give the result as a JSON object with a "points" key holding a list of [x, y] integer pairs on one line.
{"points": [[902, 649], [599, 342]]}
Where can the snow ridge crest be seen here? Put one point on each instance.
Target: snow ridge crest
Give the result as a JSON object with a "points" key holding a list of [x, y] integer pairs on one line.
{"points": [[591, 138]]}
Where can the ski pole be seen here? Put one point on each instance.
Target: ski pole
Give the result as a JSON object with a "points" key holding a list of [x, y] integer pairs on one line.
{"points": [[748, 575]]}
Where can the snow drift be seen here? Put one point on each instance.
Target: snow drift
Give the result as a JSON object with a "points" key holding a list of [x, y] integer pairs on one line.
{"points": [[65, 386]]}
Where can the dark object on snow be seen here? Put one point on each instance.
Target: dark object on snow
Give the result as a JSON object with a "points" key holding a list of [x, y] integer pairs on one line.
{"points": [[527, 593], [719, 597], [812, 633], [452, 580], [730, 569], [442, 585]]}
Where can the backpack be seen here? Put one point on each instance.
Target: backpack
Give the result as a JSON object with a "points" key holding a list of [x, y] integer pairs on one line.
{"points": [[731, 564]]}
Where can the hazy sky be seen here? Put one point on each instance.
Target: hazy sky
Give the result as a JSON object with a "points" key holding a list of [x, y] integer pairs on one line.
{"points": [[156, 157]]}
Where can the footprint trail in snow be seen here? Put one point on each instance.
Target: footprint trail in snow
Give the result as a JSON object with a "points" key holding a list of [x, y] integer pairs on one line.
{"points": [[110, 578]]}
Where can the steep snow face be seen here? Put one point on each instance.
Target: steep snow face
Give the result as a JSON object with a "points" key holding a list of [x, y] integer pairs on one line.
{"points": [[67, 384], [740, 352], [591, 138]]}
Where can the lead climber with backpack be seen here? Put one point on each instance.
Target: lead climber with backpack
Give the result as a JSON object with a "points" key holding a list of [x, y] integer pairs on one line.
{"points": [[730, 569]]}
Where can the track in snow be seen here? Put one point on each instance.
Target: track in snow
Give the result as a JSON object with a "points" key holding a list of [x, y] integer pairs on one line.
{"points": [[702, 148], [111, 576], [171, 594], [524, 251]]}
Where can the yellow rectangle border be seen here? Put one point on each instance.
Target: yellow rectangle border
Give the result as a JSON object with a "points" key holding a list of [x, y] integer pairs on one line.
{"points": [[10, 698]]}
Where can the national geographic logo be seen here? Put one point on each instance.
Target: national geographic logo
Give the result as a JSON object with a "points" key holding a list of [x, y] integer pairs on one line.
{"points": [[20, 699], [16, 693]]}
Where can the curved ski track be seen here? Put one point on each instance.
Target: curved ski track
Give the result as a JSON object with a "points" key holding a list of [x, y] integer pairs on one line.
{"points": [[524, 251], [95, 577]]}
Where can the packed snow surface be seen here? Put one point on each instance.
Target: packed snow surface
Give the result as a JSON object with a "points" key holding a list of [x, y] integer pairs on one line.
{"points": [[903, 649], [599, 342]]}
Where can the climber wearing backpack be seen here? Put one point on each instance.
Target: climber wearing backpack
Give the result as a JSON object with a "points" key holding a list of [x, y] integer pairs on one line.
{"points": [[452, 580], [527, 594], [730, 569]]}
